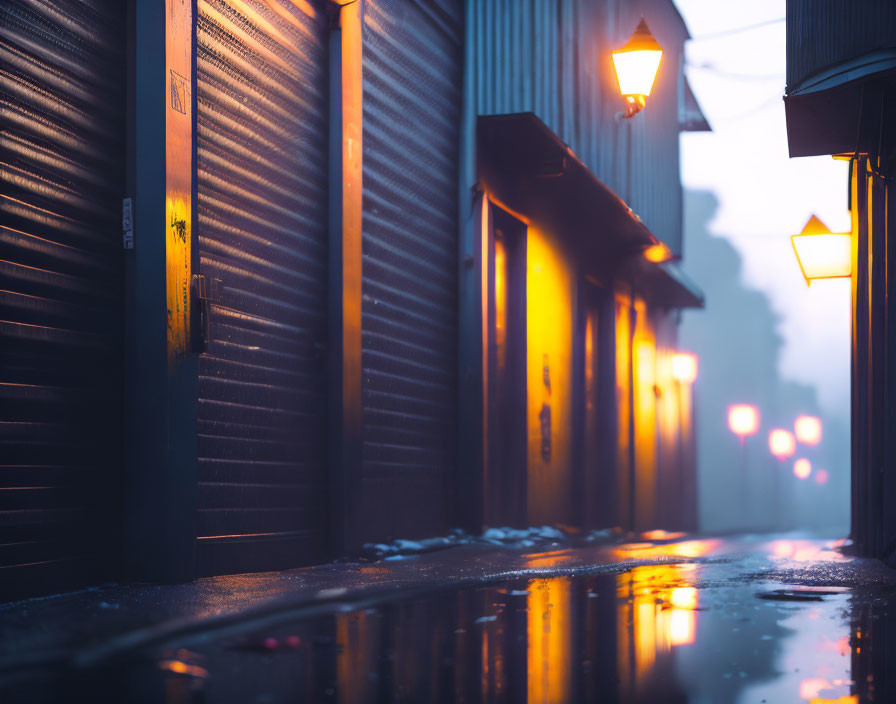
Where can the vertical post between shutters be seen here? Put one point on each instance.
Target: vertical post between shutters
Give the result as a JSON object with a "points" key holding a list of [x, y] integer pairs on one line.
{"points": [[346, 132], [160, 481]]}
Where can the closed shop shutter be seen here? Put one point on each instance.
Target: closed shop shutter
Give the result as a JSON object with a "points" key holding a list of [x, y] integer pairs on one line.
{"points": [[412, 90], [61, 175], [262, 219]]}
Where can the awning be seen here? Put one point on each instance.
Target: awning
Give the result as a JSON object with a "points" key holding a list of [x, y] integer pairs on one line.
{"points": [[838, 110], [528, 169], [668, 286], [691, 117]]}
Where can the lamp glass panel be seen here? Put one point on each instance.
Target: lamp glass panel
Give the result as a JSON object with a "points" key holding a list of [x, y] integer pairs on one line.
{"points": [[636, 70]]}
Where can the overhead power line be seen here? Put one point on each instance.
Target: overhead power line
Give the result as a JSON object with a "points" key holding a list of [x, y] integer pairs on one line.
{"points": [[736, 30]]}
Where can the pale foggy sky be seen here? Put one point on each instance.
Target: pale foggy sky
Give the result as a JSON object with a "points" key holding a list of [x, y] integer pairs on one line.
{"points": [[764, 196]]}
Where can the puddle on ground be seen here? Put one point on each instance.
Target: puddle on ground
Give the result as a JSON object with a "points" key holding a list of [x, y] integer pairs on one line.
{"points": [[668, 632]]}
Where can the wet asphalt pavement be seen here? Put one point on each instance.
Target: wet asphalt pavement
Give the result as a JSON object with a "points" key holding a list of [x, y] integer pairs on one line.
{"points": [[750, 619]]}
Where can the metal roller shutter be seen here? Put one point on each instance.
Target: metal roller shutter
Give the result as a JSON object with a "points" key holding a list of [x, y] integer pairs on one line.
{"points": [[262, 218], [61, 175], [412, 90]]}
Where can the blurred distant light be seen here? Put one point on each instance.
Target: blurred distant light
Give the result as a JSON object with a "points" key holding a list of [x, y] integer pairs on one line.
{"points": [[822, 254], [781, 443], [684, 367], [743, 419], [637, 64], [802, 468], [821, 476], [808, 430], [658, 253]]}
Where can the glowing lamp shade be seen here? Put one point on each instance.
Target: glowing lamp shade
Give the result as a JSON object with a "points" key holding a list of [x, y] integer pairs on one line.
{"points": [[637, 64], [781, 443], [807, 430], [822, 254], [743, 419], [684, 367], [802, 468]]}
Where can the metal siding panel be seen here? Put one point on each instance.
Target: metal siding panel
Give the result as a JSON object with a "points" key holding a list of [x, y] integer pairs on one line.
{"points": [[262, 216], [824, 33], [61, 170], [412, 90], [566, 78]]}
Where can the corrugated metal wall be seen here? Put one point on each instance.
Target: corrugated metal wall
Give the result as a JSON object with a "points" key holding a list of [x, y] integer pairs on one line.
{"points": [[552, 57], [824, 33], [61, 175], [262, 224], [412, 91]]}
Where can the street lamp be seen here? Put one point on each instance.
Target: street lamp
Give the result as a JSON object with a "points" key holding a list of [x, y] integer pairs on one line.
{"points": [[743, 420], [684, 367], [807, 430], [781, 443], [636, 66], [822, 254], [802, 468]]}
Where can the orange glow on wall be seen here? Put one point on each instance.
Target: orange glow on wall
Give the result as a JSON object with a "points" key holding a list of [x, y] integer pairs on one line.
{"points": [[658, 253], [549, 296], [781, 443], [623, 405], [743, 419], [822, 254], [821, 476], [684, 367], [645, 419], [807, 430], [802, 468], [500, 294]]}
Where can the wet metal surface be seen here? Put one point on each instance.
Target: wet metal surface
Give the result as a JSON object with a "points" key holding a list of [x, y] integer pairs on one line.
{"points": [[747, 620]]}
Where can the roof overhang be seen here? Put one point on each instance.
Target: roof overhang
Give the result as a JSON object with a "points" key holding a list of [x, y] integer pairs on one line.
{"points": [[528, 169], [691, 117], [667, 286], [837, 111]]}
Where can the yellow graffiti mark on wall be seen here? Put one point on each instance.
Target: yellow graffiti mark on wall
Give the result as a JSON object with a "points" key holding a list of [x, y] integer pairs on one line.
{"points": [[178, 177]]}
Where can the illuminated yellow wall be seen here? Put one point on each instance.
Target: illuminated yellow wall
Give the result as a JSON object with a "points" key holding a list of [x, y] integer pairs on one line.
{"points": [[549, 292], [622, 402], [645, 420]]}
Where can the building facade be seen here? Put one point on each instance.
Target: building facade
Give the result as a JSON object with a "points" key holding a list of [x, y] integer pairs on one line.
{"points": [[285, 278], [841, 85]]}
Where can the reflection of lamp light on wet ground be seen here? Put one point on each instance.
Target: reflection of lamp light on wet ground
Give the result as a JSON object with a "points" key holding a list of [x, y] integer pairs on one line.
{"points": [[684, 367], [822, 254], [781, 443], [807, 430], [743, 419], [637, 64], [802, 468]]}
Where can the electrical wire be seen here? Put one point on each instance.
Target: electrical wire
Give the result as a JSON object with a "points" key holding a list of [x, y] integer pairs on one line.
{"points": [[736, 30]]}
